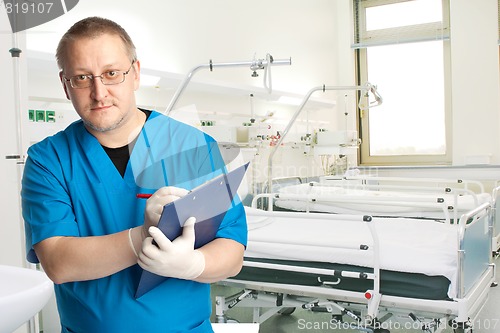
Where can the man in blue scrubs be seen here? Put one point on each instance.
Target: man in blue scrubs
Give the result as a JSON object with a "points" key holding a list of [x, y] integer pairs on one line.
{"points": [[84, 223]]}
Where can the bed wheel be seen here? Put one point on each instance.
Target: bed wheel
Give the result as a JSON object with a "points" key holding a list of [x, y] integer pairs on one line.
{"points": [[461, 327], [381, 330], [286, 311]]}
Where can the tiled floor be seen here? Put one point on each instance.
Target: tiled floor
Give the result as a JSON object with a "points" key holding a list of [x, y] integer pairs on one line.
{"points": [[312, 322]]}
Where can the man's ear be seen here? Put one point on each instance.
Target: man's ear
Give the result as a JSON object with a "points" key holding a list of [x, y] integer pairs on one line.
{"points": [[137, 76], [64, 84]]}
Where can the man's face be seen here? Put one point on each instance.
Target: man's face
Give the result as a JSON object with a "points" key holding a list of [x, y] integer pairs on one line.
{"points": [[103, 108]]}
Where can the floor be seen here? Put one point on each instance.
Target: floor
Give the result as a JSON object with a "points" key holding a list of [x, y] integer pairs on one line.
{"points": [[301, 320]]}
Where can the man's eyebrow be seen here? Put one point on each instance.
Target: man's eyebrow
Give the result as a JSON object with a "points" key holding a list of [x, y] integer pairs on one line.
{"points": [[83, 70]]}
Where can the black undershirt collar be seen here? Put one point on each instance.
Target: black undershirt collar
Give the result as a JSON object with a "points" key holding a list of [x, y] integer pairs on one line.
{"points": [[120, 156]]}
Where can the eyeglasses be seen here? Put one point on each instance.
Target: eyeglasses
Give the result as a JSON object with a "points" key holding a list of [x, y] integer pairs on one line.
{"points": [[107, 78]]}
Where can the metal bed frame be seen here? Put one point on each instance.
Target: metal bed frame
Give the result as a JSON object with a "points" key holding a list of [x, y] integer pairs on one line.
{"points": [[368, 311]]}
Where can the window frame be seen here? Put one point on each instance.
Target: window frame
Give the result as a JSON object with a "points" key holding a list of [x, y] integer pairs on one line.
{"points": [[364, 157]]}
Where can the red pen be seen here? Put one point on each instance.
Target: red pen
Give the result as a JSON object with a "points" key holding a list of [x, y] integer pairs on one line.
{"points": [[143, 195]]}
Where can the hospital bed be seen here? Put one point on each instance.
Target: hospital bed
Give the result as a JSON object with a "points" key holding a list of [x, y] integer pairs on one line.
{"points": [[366, 271]]}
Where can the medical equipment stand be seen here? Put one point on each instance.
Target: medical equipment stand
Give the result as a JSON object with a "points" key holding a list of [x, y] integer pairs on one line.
{"points": [[254, 66]]}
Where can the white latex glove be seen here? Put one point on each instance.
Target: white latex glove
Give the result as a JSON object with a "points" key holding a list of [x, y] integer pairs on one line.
{"points": [[154, 205], [176, 258]]}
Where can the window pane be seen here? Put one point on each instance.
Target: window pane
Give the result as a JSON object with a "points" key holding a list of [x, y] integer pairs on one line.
{"points": [[403, 14], [411, 120]]}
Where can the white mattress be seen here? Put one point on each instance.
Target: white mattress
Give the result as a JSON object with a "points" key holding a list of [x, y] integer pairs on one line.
{"points": [[406, 245], [421, 207]]}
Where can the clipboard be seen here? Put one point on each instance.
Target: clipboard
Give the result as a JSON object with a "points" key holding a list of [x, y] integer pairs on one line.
{"points": [[208, 203]]}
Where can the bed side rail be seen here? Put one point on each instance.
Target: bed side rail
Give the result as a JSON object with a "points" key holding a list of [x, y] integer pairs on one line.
{"points": [[410, 188], [373, 184], [436, 183], [435, 203]]}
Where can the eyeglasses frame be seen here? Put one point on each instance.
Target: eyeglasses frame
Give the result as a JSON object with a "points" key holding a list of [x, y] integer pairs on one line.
{"points": [[92, 77]]}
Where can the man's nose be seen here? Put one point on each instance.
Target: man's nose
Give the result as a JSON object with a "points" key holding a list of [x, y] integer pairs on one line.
{"points": [[99, 89]]}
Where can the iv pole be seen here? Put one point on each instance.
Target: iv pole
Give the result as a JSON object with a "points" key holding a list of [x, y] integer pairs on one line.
{"points": [[254, 66], [15, 52], [368, 87]]}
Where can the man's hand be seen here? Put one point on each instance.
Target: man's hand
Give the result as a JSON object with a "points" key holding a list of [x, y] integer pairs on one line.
{"points": [[154, 206], [176, 258]]}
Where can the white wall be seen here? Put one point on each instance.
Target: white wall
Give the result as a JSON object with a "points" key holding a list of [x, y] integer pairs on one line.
{"points": [[475, 77], [175, 36]]}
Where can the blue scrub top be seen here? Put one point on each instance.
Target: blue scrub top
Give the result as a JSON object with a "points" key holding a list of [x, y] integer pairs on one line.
{"points": [[70, 187]]}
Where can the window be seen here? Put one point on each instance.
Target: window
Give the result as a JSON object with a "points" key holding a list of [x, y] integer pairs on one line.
{"points": [[402, 47]]}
